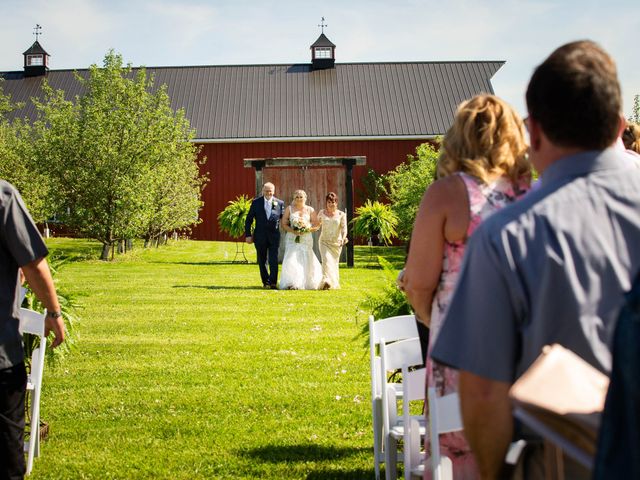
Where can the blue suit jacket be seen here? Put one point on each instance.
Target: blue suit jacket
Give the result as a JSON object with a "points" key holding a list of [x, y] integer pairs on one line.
{"points": [[267, 228]]}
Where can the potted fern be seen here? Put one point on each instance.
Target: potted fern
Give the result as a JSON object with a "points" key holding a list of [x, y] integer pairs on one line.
{"points": [[376, 222], [231, 221]]}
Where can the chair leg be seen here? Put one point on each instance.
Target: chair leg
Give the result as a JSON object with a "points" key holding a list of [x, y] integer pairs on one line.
{"points": [[446, 468], [377, 436], [391, 458]]}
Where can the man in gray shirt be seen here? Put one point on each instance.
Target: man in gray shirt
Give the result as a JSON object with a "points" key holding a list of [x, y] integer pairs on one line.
{"points": [[553, 267], [20, 247]]}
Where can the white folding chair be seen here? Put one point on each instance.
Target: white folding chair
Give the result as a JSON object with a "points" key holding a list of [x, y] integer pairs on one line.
{"points": [[391, 329], [444, 417], [393, 356], [413, 388], [33, 323]]}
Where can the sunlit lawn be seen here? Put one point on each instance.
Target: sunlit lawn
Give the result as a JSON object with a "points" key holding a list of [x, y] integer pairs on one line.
{"points": [[185, 369]]}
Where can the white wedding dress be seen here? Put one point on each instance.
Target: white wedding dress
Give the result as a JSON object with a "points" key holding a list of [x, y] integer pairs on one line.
{"points": [[300, 267]]}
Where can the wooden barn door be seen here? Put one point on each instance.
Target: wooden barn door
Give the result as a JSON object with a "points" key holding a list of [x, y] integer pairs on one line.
{"points": [[315, 181]]}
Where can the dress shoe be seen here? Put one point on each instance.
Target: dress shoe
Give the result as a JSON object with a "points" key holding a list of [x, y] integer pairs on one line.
{"points": [[266, 286], [273, 286]]}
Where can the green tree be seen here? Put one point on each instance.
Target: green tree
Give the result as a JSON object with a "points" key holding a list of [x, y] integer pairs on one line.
{"points": [[17, 162], [373, 186], [121, 158], [407, 184]]}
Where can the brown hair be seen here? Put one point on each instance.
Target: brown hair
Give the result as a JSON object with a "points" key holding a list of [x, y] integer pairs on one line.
{"points": [[575, 96], [331, 196], [631, 137], [485, 140]]}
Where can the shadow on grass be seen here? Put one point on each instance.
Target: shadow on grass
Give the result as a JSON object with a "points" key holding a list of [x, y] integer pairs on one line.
{"points": [[299, 453], [367, 257], [311, 453], [357, 474], [212, 262], [222, 287]]}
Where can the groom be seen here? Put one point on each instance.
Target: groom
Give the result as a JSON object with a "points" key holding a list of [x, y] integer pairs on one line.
{"points": [[267, 210]]}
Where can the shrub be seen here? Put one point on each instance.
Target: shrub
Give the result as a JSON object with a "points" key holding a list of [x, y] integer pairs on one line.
{"points": [[407, 184]]}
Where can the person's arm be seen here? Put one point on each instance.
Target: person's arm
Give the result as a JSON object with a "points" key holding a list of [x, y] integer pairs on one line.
{"points": [[39, 279], [488, 424], [247, 224], [424, 261], [315, 223], [343, 228], [285, 221]]}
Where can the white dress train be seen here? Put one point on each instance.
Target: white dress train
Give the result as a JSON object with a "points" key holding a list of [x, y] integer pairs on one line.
{"points": [[300, 267]]}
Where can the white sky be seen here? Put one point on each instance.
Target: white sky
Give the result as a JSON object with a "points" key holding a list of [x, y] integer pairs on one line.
{"points": [[78, 33]]}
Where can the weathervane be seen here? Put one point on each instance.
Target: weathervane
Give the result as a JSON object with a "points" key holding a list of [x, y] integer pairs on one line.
{"points": [[36, 31], [322, 25]]}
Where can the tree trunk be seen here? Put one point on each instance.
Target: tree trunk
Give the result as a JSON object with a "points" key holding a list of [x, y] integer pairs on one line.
{"points": [[105, 252]]}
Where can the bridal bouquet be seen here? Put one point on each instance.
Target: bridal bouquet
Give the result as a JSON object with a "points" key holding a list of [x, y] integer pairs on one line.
{"points": [[300, 226]]}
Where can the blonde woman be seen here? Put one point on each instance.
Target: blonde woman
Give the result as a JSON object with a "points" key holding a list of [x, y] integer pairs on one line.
{"points": [[301, 269], [482, 167], [332, 237]]}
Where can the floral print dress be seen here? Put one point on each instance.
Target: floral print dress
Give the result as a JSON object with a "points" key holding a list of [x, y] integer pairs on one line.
{"points": [[484, 199]]}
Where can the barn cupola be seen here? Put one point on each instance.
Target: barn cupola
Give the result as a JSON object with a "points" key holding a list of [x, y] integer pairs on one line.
{"points": [[36, 60], [323, 51]]}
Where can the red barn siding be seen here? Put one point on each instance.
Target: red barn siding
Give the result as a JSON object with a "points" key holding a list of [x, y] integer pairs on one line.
{"points": [[229, 178]]}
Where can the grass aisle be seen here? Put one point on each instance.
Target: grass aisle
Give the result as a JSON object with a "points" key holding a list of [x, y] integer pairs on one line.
{"points": [[185, 369]]}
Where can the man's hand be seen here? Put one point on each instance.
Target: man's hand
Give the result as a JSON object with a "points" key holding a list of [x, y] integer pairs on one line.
{"points": [[488, 424], [55, 325], [39, 279], [249, 240]]}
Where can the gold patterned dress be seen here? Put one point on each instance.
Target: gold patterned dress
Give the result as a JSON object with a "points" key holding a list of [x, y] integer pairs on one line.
{"points": [[332, 236]]}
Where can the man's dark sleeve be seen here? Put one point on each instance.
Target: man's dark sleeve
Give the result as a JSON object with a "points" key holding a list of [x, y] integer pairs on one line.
{"points": [[479, 333], [250, 216], [19, 234]]}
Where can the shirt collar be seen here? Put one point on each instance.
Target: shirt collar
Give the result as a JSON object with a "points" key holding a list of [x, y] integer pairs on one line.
{"points": [[585, 162]]}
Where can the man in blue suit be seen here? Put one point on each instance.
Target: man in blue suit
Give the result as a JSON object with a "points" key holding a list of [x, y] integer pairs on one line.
{"points": [[267, 211]]}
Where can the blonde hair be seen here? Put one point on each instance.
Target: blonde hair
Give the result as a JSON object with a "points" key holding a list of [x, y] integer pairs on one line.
{"points": [[631, 137], [299, 192], [486, 140]]}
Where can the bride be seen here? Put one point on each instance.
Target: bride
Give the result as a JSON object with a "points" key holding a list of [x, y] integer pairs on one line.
{"points": [[301, 269]]}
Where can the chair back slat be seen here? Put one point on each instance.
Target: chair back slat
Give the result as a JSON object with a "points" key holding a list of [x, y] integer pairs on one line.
{"points": [[31, 322]]}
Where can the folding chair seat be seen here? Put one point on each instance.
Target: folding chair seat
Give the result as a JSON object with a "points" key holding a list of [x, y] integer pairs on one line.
{"points": [[33, 323], [391, 329]]}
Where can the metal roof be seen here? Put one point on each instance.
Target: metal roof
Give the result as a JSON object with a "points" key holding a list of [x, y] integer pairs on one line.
{"points": [[355, 100]]}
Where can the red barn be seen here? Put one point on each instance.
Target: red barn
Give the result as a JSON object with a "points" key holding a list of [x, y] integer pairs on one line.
{"points": [[380, 111]]}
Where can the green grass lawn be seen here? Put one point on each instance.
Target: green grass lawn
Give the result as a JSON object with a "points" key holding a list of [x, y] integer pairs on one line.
{"points": [[184, 368]]}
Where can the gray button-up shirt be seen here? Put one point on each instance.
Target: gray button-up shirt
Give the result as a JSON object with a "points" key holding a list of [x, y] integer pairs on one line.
{"points": [[20, 244], [551, 268]]}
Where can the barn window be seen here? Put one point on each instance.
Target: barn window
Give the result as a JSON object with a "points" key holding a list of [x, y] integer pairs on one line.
{"points": [[34, 60], [323, 52]]}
